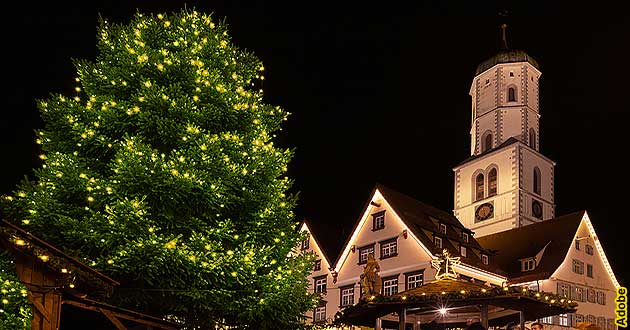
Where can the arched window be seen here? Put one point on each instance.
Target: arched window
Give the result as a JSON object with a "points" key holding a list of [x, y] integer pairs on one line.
{"points": [[479, 190], [486, 142], [492, 182], [537, 180], [532, 138], [511, 94]]}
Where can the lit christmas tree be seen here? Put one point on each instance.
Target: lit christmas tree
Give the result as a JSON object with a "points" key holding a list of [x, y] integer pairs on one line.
{"points": [[162, 173], [15, 310]]}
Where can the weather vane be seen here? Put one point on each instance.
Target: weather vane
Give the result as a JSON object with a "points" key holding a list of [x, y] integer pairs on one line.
{"points": [[504, 15], [448, 271]]}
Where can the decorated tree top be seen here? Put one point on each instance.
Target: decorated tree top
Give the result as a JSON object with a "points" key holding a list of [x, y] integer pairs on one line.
{"points": [[161, 172]]}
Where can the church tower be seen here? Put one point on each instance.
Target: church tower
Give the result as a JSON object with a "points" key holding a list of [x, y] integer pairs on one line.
{"points": [[506, 182]]}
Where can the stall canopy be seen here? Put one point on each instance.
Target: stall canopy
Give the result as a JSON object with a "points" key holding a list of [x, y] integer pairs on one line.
{"points": [[452, 300]]}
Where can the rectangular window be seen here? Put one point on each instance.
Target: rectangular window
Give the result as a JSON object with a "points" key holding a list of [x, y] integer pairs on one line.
{"points": [[589, 270], [589, 249], [528, 264], [563, 320], [442, 228], [601, 322], [317, 265], [591, 295], [438, 242], [378, 220], [578, 266], [389, 248], [590, 318], [610, 324], [577, 244], [465, 237], [364, 252], [320, 314], [347, 296], [320, 284], [601, 298], [579, 318], [462, 250], [414, 280], [547, 320], [305, 242], [390, 286], [579, 294], [564, 290], [484, 259]]}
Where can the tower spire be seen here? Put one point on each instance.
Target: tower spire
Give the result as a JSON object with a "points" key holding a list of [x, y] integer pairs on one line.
{"points": [[504, 45]]}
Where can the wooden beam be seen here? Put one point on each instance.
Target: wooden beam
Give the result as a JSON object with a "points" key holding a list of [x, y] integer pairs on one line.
{"points": [[484, 316], [40, 308], [402, 316], [136, 319], [113, 319]]}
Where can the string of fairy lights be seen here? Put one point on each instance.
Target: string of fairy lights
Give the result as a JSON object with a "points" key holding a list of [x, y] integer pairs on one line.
{"points": [[171, 105]]}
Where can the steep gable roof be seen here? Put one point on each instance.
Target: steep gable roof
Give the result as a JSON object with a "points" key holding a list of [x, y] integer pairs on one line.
{"points": [[423, 221], [554, 235], [314, 235]]}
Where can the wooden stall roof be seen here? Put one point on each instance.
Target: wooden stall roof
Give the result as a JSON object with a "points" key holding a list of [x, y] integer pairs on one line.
{"points": [[55, 251], [456, 293], [114, 314]]}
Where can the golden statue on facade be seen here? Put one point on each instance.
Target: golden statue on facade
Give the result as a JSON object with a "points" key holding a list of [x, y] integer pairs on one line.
{"points": [[370, 280]]}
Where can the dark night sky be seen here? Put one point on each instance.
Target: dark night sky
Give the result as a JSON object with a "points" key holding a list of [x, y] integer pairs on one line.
{"points": [[378, 94]]}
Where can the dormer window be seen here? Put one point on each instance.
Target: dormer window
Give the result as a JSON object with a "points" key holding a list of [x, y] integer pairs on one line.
{"points": [[484, 259], [528, 264], [378, 220], [442, 228], [511, 74], [465, 237], [438, 242]]}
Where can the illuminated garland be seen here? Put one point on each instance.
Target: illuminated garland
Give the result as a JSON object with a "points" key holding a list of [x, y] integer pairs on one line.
{"points": [[548, 298], [69, 275]]}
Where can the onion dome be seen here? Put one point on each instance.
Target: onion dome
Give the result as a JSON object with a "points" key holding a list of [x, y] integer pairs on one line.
{"points": [[506, 55]]}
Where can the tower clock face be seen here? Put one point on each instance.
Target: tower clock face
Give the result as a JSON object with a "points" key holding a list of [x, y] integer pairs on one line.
{"points": [[537, 209], [484, 211]]}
